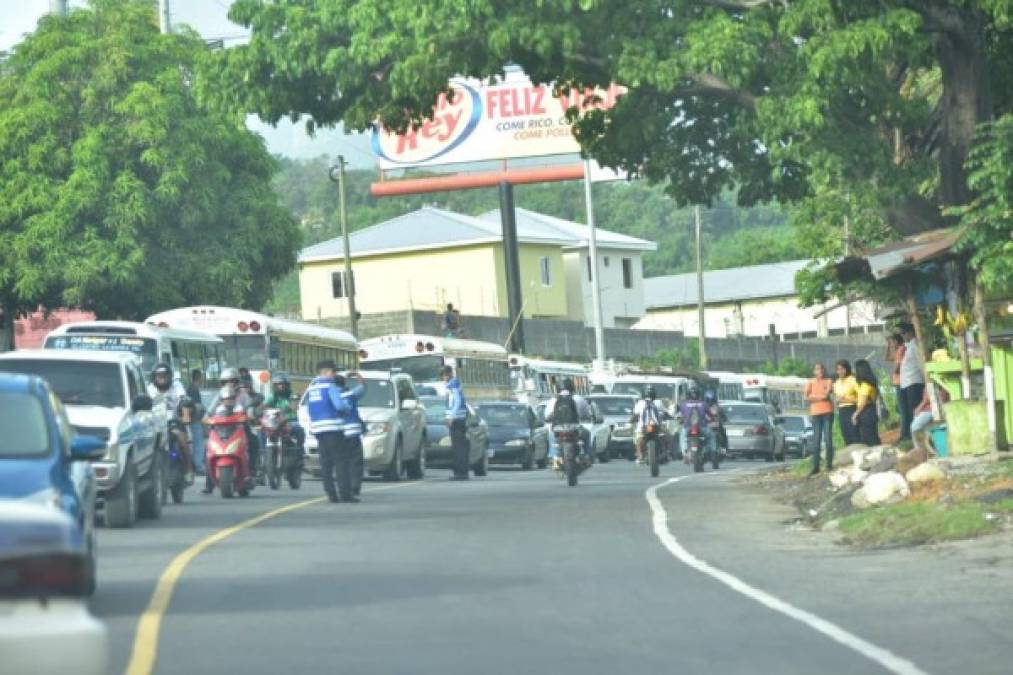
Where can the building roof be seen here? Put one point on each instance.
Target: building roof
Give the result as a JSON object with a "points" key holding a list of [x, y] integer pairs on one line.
{"points": [[772, 280], [434, 228], [538, 225], [898, 256]]}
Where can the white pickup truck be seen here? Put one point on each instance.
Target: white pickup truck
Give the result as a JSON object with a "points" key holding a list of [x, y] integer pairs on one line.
{"points": [[105, 395]]}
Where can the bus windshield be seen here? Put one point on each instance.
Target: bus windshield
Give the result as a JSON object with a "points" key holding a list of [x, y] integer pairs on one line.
{"points": [[422, 368], [145, 348], [246, 351]]}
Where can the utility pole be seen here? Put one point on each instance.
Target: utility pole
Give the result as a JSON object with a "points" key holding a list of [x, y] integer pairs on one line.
{"points": [[699, 290], [338, 176], [58, 7], [592, 251], [847, 252], [164, 25]]}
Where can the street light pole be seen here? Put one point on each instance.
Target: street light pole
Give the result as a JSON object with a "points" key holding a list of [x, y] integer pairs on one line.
{"points": [[164, 25], [592, 250], [699, 291], [58, 7], [338, 176]]}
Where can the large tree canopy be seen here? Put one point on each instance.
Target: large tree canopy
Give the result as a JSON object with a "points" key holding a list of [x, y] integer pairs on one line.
{"points": [[865, 111], [118, 192]]}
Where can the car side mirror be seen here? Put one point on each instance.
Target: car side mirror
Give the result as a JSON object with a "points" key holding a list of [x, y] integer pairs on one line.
{"points": [[141, 403], [409, 404], [86, 448]]}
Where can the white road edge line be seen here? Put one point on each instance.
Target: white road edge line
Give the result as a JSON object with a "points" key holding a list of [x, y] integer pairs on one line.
{"points": [[883, 657]]}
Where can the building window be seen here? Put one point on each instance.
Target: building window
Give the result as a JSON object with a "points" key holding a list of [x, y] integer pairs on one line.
{"points": [[339, 289], [627, 272], [546, 272]]}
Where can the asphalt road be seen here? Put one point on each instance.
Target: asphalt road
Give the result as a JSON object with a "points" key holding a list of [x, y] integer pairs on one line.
{"points": [[516, 573]]}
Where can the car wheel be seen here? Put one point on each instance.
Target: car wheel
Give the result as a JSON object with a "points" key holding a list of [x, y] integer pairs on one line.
{"points": [[150, 504], [416, 468], [121, 502], [395, 470]]}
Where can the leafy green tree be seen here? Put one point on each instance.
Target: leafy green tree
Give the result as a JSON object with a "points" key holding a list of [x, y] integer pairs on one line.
{"points": [[854, 111], [118, 191]]}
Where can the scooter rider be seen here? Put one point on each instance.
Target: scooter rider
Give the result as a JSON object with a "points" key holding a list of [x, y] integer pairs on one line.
{"points": [[566, 397], [225, 405], [171, 393], [281, 399], [695, 405], [648, 416], [717, 419]]}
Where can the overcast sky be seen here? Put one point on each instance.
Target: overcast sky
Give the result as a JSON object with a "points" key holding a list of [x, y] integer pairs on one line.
{"points": [[209, 17]]}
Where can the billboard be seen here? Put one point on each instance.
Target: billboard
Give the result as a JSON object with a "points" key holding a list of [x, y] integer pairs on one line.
{"points": [[483, 121]]}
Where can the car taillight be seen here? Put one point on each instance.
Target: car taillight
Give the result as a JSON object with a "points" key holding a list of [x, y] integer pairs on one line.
{"points": [[45, 576], [761, 430]]}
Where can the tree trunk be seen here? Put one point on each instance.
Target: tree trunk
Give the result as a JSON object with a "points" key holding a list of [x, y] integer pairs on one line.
{"points": [[966, 99], [7, 328]]}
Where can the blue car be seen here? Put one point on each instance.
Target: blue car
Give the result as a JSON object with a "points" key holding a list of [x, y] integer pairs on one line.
{"points": [[42, 461]]}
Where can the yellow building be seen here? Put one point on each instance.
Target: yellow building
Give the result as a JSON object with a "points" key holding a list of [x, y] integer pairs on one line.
{"points": [[428, 258]]}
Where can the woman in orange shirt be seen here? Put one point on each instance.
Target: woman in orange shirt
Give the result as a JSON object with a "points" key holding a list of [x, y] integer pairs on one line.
{"points": [[821, 410]]}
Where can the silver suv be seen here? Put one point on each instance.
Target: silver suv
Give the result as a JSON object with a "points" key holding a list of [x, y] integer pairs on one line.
{"points": [[105, 395], [394, 439]]}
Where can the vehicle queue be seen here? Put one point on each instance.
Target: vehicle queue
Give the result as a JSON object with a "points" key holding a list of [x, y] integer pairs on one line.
{"points": [[96, 435]]}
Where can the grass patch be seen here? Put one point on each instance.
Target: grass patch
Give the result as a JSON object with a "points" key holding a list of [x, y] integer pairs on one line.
{"points": [[802, 467], [919, 523]]}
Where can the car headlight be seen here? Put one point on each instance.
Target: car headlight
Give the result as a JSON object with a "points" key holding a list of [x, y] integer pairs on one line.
{"points": [[377, 428], [517, 443]]}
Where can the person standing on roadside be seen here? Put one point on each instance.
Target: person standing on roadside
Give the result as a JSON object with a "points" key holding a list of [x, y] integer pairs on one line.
{"points": [[911, 379], [328, 411], [895, 354], [354, 428], [866, 416], [821, 411], [846, 396], [457, 420]]}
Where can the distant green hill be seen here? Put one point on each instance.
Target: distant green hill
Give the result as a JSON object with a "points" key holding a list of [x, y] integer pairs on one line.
{"points": [[732, 236]]}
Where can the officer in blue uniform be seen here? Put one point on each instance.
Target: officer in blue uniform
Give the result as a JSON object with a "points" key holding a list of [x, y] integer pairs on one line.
{"points": [[328, 411], [457, 420]]}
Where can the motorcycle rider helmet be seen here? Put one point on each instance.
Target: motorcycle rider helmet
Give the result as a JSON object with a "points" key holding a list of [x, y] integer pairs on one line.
{"points": [[650, 393], [709, 396], [229, 375], [161, 377]]}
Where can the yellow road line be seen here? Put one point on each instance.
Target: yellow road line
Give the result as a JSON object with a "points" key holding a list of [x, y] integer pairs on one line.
{"points": [[145, 650]]}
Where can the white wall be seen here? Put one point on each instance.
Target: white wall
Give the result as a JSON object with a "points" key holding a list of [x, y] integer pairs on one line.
{"points": [[617, 302], [752, 318]]}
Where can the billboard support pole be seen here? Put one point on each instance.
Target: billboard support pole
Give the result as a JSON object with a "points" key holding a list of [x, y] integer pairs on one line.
{"points": [[592, 251], [511, 258]]}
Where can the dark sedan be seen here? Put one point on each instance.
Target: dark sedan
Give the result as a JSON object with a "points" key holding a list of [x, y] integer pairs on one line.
{"points": [[515, 434], [438, 451], [799, 438]]}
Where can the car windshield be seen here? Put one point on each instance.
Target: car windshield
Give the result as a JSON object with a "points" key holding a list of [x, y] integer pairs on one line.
{"points": [[422, 368], [793, 424], [24, 423], [145, 348], [379, 394], [614, 405], [436, 409], [666, 391], [744, 414], [75, 382], [504, 415]]}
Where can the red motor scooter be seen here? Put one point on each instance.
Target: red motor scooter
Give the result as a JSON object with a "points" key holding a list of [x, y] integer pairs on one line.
{"points": [[228, 459]]}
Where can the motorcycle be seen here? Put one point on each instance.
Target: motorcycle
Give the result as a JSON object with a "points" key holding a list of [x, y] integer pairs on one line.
{"points": [[652, 447], [573, 461], [696, 442], [176, 479], [228, 460], [282, 454]]}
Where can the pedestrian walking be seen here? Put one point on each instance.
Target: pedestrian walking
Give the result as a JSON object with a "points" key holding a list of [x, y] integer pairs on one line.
{"points": [[196, 428], [821, 411], [846, 396], [866, 417], [457, 420], [354, 428], [328, 411], [911, 379]]}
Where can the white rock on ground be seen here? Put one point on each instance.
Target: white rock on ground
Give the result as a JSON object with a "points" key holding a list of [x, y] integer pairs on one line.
{"points": [[885, 488], [926, 472], [845, 457], [859, 500], [839, 478]]}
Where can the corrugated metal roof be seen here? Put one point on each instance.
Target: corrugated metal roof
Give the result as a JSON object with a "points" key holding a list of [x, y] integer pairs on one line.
{"points": [[430, 227], [540, 225], [738, 283]]}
